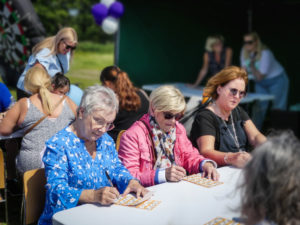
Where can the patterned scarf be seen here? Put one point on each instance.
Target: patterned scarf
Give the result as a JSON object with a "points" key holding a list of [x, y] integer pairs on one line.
{"points": [[163, 144]]}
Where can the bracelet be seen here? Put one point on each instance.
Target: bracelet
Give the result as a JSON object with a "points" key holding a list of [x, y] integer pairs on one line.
{"points": [[226, 158]]}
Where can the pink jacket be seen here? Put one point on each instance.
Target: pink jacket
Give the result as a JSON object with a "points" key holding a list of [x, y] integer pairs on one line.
{"points": [[137, 156]]}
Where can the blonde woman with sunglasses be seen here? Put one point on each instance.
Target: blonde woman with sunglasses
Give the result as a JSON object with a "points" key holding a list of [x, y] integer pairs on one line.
{"points": [[53, 54], [223, 131], [269, 76], [156, 149]]}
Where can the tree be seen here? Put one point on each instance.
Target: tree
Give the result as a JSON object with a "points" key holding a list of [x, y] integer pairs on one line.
{"points": [[56, 14]]}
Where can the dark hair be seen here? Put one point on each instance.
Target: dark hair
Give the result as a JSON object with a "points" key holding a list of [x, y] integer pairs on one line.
{"points": [[128, 98], [271, 188], [59, 81]]}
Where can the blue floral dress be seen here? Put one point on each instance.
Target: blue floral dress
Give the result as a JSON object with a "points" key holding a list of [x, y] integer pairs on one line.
{"points": [[70, 169]]}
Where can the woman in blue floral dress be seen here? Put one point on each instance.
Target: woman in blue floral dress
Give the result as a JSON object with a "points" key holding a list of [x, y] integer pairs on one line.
{"points": [[80, 158]]}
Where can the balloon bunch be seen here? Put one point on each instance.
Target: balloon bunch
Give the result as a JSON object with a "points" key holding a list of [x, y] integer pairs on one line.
{"points": [[107, 14]]}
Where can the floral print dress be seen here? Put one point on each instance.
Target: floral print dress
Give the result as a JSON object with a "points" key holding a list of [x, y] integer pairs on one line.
{"points": [[70, 169]]}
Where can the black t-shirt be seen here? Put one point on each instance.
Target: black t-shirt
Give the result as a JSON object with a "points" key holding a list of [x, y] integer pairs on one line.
{"points": [[124, 119], [206, 123]]}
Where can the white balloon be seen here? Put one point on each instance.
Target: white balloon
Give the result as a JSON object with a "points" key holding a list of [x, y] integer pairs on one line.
{"points": [[110, 25], [107, 2]]}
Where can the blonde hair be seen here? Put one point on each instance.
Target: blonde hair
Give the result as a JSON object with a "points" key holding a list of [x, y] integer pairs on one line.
{"points": [[37, 80], [211, 40], [259, 49], [222, 78], [167, 98], [67, 33]]}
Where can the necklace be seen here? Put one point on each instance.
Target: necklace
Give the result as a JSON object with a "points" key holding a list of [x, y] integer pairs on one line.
{"points": [[233, 136]]}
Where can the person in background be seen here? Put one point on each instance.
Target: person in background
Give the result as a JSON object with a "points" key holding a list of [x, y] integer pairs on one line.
{"points": [[27, 111], [6, 99], [155, 149], [134, 102], [60, 84], [269, 76], [223, 131], [271, 188], [75, 94], [215, 58], [53, 54], [81, 159]]}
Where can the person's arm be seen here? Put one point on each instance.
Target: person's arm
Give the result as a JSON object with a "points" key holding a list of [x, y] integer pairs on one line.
{"points": [[13, 117], [131, 144], [254, 136], [264, 65], [203, 70], [194, 162], [206, 146], [72, 105], [228, 57]]}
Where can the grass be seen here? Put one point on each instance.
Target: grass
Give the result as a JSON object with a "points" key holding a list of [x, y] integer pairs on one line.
{"points": [[89, 59]]}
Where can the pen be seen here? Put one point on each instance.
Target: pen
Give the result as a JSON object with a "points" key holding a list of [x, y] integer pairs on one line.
{"points": [[108, 178]]}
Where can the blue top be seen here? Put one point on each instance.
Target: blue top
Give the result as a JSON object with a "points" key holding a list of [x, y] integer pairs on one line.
{"points": [[70, 169], [75, 94], [50, 63], [5, 97]]}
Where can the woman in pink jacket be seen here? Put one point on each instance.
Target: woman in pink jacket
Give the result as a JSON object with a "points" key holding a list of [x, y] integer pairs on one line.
{"points": [[156, 149]]}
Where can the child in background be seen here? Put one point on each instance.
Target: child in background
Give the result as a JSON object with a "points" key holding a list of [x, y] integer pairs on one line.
{"points": [[60, 84]]}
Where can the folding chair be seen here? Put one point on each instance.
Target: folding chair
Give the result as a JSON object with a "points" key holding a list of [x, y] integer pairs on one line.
{"points": [[119, 139], [34, 182], [3, 191]]}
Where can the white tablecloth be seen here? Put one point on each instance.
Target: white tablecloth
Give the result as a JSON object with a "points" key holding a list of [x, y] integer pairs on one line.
{"points": [[182, 203], [197, 92]]}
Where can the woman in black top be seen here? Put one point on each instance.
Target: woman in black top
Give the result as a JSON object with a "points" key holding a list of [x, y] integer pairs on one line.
{"points": [[133, 102], [215, 58], [223, 131]]}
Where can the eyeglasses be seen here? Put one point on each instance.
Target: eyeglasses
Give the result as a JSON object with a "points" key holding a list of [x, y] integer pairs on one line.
{"points": [[169, 116], [234, 91], [69, 46], [248, 42], [102, 123]]}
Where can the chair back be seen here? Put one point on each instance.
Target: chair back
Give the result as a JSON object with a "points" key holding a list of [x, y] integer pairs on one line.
{"points": [[119, 139], [3, 191], [34, 194]]}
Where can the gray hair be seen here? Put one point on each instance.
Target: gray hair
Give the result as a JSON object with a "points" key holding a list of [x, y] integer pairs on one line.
{"points": [[98, 97], [272, 181]]}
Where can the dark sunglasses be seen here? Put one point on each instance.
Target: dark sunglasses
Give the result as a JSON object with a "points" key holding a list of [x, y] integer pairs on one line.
{"points": [[248, 42], [234, 91], [169, 116], [69, 46]]}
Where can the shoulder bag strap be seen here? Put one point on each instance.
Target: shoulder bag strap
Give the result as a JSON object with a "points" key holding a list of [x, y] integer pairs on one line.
{"points": [[44, 117], [152, 143], [62, 69]]}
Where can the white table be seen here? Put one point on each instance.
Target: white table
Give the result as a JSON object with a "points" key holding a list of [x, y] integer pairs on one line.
{"points": [[182, 203], [197, 92]]}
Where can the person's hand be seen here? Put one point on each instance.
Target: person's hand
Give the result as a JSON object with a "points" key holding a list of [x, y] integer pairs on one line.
{"points": [[210, 171], [239, 159], [175, 173], [136, 187], [106, 195]]}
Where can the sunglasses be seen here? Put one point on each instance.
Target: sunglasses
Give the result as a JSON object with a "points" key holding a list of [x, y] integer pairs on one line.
{"points": [[169, 116], [248, 42], [69, 46], [234, 91]]}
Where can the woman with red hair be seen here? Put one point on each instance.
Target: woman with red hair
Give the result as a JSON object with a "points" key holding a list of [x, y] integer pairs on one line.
{"points": [[134, 102]]}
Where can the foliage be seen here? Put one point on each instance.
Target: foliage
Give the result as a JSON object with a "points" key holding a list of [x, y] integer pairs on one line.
{"points": [[55, 14]]}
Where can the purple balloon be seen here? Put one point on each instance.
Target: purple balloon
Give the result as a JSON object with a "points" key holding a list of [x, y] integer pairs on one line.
{"points": [[99, 11], [116, 10]]}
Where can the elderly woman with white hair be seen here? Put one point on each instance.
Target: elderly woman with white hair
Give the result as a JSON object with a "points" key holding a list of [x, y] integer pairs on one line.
{"points": [[81, 162], [156, 149]]}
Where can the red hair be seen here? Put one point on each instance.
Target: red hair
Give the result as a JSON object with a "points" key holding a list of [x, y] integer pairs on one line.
{"points": [[128, 98]]}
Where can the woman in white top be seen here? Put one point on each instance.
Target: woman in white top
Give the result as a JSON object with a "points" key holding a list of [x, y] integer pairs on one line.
{"points": [[269, 75], [53, 54]]}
